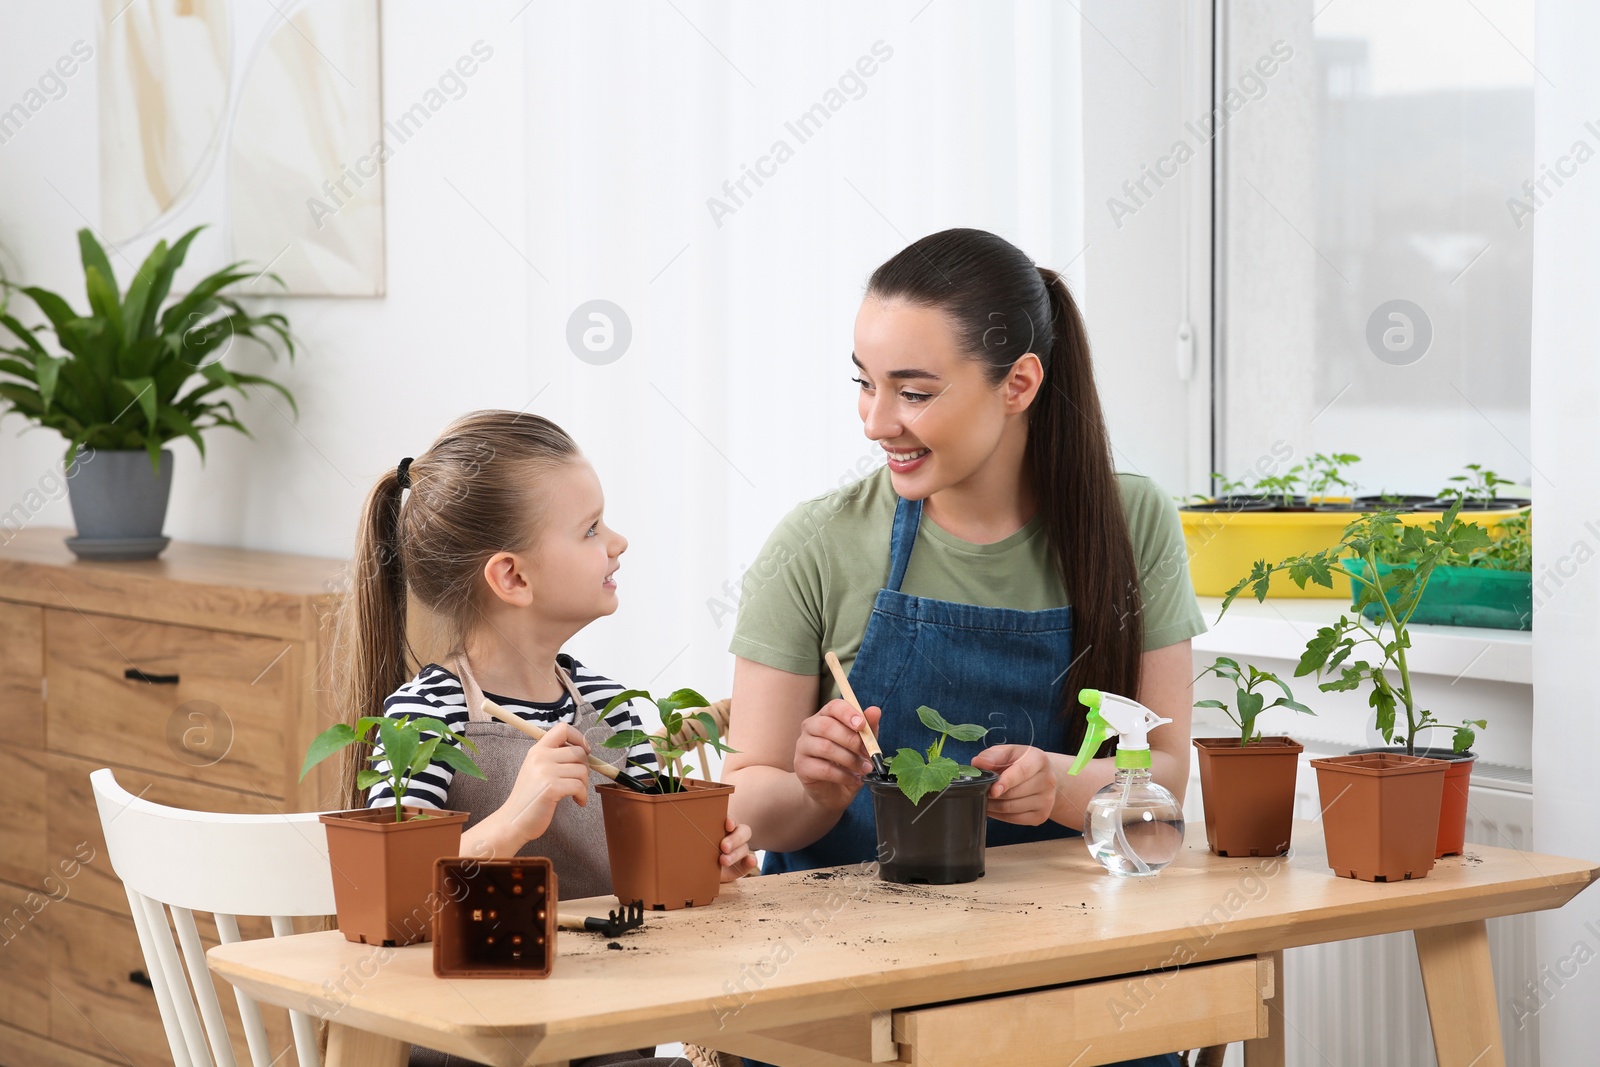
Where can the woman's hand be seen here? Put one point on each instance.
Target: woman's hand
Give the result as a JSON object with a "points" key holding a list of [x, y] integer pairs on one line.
{"points": [[554, 767], [1026, 791], [736, 859], [829, 757]]}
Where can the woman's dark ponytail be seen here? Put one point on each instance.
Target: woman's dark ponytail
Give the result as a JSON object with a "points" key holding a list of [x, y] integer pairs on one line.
{"points": [[1004, 307], [1074, 476]]}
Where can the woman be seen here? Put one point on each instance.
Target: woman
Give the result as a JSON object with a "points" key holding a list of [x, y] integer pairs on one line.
{"points": [[1037, 570]]}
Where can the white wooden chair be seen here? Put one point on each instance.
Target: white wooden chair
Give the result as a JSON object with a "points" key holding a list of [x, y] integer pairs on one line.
{"points": [[179, 861]]}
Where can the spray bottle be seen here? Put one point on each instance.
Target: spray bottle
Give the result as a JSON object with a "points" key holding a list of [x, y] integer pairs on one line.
{"points": [[1133, 826]]}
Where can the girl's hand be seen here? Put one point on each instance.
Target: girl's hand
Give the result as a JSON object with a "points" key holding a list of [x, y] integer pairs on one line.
{"points": [[829, 758], [736, 859], [1026, 791], [553, 768]]}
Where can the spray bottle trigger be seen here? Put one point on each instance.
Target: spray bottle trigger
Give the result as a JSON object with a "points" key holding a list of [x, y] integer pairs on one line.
{"points": [[1095, 736]]}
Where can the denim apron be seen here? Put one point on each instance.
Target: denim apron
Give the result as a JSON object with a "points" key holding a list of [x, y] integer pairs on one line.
{"points": [[997, 667], [1000, 668]]}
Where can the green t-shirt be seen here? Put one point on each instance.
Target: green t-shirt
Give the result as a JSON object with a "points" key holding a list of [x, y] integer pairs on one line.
{"points": [[814, 583]]}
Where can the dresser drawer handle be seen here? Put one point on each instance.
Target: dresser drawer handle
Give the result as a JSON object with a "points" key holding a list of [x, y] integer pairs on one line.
{"points": [[140, 978], [134, 674]]}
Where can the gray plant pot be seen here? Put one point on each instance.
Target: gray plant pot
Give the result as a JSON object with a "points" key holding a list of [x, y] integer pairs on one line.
{"points": [[119, 505]]}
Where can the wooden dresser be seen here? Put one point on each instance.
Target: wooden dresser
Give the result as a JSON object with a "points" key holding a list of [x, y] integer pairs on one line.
{"points": [[199, 678]]}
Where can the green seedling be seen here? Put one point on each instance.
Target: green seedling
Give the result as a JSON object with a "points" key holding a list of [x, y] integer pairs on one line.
{"points": [[917, 777], [1476, 487], [1396, 596], [1249, 703], [401, 746], [682, 729], [1509, 548], [1321, 472]]}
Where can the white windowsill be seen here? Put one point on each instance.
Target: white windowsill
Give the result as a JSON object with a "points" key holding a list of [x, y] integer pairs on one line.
{"points": [[1280, 628]]}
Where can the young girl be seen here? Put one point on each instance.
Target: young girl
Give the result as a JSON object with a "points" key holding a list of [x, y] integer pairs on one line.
{"points": [[498, 530]]}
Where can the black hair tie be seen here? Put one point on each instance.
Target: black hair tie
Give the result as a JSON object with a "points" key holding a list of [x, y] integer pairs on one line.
{"points": [[403, 473]]}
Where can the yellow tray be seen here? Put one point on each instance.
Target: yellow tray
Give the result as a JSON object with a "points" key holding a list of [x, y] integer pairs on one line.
{"points": [[1223, 546]]}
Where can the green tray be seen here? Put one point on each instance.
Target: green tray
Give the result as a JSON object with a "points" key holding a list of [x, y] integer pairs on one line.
{"points": [[1466, 596]]}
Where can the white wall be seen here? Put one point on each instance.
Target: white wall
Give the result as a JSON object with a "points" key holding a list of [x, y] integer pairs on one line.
{"points": [[577, 166], [1565, 405]]}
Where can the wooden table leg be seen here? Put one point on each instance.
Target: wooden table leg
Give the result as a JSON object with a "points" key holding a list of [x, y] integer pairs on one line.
{"points": [[1269, 1051], [349, 1047], [1459, 983]]}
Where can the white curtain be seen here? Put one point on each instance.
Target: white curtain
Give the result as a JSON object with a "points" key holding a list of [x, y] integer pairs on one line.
{"points": [[733, 401]]}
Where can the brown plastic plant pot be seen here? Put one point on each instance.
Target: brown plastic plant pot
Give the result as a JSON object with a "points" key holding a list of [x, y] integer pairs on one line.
{"points": [[1249, 793], [1453, 804], [383, 870], [1380, 814], [665, 847], [496, 918]]}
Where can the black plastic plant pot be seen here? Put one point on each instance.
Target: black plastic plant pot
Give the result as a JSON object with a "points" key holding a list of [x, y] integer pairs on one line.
{"points": [[1235, 503], [1394, 502], [939, 841], [1499, 503]]}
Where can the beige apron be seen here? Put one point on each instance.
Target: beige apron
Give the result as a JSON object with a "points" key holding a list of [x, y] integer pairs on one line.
{"points": [[575, 842]]}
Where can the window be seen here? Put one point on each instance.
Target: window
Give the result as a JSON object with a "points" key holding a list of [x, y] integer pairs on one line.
{"points": [[1374, 272]]}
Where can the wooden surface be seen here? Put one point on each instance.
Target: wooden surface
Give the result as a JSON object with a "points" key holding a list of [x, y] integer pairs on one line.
{"points": [[790, 949], [248, 634], [210, 586]]}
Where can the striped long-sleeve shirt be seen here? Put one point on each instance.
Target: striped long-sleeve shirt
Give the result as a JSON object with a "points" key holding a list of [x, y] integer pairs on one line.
{"points": [[436, 693]]}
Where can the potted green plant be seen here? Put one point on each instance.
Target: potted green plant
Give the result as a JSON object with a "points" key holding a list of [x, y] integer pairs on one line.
{"points": [[133, 377], [1247, 781], [383, 858], [931, 810], [1381, 810], [1490, 586], [665, 845], [1283, 513], [1478, 490]]}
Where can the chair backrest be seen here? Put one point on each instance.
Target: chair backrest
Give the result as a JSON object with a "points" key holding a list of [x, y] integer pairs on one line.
{"points": [[179, 861]]}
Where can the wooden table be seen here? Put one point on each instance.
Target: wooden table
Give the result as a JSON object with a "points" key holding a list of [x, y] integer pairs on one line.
{"points": [[1046, 960]]}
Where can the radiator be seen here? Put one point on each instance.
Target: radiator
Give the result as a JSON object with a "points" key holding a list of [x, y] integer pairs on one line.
{"points": [[1357, 1003]]}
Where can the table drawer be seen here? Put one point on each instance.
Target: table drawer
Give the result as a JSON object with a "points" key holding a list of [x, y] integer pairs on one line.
{"points": [[1094, 1022], [200, 704]]}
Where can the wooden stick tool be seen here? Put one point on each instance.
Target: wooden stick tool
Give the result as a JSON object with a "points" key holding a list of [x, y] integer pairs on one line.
{"points": [[867, 737], [627, 781]]}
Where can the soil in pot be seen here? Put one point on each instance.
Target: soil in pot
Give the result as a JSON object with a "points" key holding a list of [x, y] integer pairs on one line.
{"points": [[665, 847], [1453, 804], [1380, 814], [1249, 793], [496, 918], [383, 870], [939, 841]]}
